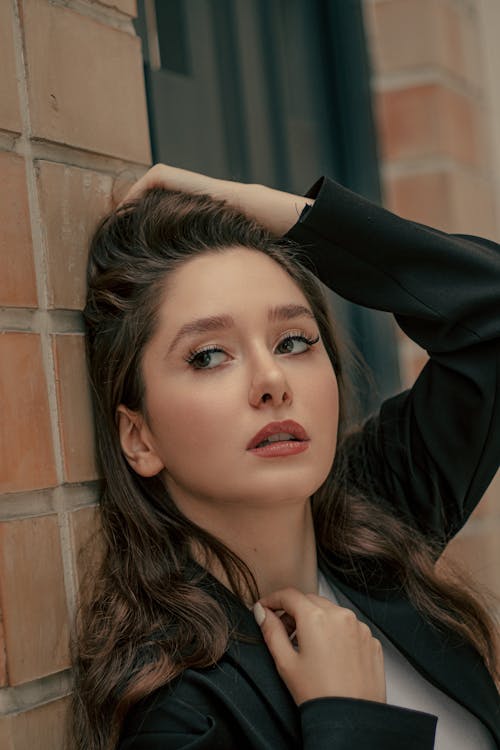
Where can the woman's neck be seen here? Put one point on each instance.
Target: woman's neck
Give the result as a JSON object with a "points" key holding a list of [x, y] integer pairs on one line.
{"points": [[277, 544]]}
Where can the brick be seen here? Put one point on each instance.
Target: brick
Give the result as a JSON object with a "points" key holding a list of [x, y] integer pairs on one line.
{"points": [[453, 200], [478, 552], [6, 742], [421, 197], [427, 121], [87, 542], [3, 659], [33, 598], [18, 286], [129, 7], [10, 117], [72, 202], [412, 34], [85, 83], [42, 728], [472, 202], [459, 41], [122, 184], [26, 451], [75, 408], [402, 34]]}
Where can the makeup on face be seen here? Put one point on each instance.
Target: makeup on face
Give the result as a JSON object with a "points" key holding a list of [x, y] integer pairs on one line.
{"points": [[237, 373], [279, 439]]}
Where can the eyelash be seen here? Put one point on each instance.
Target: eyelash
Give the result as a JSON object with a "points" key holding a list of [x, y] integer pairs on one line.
{"points": [[298, 336]]}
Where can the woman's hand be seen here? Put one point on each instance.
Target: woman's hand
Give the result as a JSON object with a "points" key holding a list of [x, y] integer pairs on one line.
{"points": [[337, 654], [274, 209], [172, 178]]}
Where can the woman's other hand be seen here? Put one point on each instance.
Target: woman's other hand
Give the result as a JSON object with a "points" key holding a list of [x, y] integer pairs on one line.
{"points": [[274, 209], [336, 653], [173, 178]]}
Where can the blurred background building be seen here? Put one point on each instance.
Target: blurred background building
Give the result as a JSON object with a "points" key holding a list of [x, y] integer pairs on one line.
{"points": [[397, 99]]}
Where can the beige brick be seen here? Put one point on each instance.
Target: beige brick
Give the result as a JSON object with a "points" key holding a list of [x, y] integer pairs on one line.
{"points": [[75, 408], [453, 200], [460, 127], [412, 34], [86, 83], [26, 452], [3, 660], [6, 742], [421, 197], [10, 117], [18, 285], [72, 202], [42, 728], [33, 598], [402, 34], [473, 208], [427, 121], [129, 7], [459, 41], [87, 542]]}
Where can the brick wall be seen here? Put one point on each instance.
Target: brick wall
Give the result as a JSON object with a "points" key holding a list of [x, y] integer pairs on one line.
{"points": [[73, 134], [435, 70]]}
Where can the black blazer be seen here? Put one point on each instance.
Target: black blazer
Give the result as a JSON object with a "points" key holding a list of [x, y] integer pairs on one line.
{"points": [[434, 450]]}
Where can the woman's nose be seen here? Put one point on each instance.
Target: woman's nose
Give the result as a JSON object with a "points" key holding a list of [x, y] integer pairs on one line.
{"points": [[269, 384]]}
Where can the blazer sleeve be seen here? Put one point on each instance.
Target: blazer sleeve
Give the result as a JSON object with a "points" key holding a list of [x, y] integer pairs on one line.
{"points": [[346, 723], [183, 720], [432, 450]]}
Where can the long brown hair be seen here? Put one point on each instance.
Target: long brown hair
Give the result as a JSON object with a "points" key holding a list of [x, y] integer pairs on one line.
{"points": [[143, 621]]}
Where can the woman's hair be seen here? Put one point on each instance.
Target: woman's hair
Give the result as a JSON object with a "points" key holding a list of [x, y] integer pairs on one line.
{"points": [[144, 621]]}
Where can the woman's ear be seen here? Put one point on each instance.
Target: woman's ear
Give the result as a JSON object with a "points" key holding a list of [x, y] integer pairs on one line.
{"points": [[137, 443]]}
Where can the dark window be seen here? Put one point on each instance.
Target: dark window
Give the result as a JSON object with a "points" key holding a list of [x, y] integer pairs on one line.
{"points": [[275, 92]]}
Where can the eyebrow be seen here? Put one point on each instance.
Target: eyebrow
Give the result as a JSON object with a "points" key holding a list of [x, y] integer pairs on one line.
{"points": [[221, 322]]}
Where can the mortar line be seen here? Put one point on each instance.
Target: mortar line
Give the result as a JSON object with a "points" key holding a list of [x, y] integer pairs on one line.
{"points": [[38, 692], [27, 320], [112, 17], [41, 270], [43, 149], [16, 506]]}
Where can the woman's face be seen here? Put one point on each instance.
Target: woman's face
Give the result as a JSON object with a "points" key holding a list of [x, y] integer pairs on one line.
{"points": [[233, 353]]}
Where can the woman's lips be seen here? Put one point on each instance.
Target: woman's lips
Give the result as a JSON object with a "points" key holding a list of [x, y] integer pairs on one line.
{"points": [[281, 448], [293, 439]]}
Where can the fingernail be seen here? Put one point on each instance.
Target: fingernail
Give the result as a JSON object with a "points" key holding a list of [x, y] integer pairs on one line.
{"points": [[259, 613]]}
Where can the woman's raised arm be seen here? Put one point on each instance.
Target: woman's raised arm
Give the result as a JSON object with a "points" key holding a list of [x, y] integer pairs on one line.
{"points": [[435, 447], [274, 209]]}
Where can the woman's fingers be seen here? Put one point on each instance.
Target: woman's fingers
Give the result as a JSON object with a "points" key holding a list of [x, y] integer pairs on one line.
{"points": [[336, 653], [275, 210], [290, 599], [171, 178], [275, 635]]}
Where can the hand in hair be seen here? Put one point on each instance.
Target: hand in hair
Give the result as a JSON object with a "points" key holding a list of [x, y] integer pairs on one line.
{"points": [[275, 210], [336, 654]]}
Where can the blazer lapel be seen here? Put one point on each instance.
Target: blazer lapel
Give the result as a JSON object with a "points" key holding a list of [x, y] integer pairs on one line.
{"points": [[257, 663], [451, 666], [254, 659]]}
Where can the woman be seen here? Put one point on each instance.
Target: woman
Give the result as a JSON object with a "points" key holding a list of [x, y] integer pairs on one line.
{"points": [[230, 476]]}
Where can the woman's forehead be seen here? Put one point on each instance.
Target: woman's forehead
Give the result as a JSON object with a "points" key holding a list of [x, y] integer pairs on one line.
{"points": [[223, 283]]}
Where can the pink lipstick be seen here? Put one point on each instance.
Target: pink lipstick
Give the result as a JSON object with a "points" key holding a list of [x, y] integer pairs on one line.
{"points": [[278, 439]]}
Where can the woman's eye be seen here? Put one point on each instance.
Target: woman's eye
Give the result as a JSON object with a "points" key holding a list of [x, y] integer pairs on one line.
{"points": [[295, 344], [206, 359]]}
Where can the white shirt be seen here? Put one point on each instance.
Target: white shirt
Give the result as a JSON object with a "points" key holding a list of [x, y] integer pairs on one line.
{"points": [[457, 728]]}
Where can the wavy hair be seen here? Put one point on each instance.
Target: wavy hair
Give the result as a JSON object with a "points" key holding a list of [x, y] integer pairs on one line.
{"points": [[143, 620]]}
